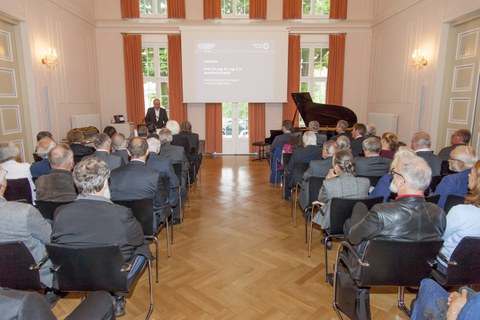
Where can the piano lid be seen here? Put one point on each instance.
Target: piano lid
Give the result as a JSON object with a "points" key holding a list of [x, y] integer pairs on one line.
{"points": [[326, 114]]}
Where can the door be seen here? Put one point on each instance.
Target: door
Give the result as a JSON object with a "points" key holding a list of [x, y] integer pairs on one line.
{"points": [[459, 106], [235, 128]]}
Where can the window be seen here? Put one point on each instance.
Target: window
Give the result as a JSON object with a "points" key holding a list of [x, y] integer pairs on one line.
{"points": [[153, 7], [235, 8], [155, 74], [315, 8], [314, 70]]}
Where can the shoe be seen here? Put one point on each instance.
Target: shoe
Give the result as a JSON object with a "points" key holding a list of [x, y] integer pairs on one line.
{"points": [[120, 306]]}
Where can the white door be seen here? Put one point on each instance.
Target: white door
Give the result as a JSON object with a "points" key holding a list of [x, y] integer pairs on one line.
{"points": [[235, 128]]}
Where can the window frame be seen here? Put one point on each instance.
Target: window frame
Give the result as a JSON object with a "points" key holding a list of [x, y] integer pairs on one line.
{"points": [[235, 15], [155, 13], [157, 78], [312, 15]]}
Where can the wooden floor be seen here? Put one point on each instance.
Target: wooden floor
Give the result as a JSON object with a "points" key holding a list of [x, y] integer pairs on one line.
{"points": [[238, 256]]}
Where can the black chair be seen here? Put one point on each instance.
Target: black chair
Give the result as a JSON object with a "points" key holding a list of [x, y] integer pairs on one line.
{"points": [[143, 211], [433, 185], [340, 211], [177, 167], [18, 190], [283, 172], [18, 269], [433, 199], [94, 268], [373, 179], [298, 171], [463, 265], [47, 208], [314, 185], [453, 200], [385, 263]]}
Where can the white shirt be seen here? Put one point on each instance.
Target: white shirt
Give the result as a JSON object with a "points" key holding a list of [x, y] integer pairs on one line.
{"points": [[157, 113], [17, 170]]}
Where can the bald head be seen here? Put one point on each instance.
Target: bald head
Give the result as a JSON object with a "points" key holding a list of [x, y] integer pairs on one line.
{"points": [[61, 157], [462, 158], [421, 140], [138, 148]]}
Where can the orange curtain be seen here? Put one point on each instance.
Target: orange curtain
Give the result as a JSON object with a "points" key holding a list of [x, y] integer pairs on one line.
{"points": [[130, 9], [336, 66], [213, 127], [258, 9], [212, 9], [292, 9], [256, 123], [178, 109], [132, 56], [176, 9], [293, 85], [338, 9]]}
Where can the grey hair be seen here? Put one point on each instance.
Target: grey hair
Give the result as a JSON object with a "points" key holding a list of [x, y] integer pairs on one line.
{"points": [[137, 147], [8, 151], [342, 124], [165, 135], [309, 139], [173, 126], [371, 129], [343, 143], [402, 152], [314, 125], [44, 146], [372, 145], [416, 172], [102, 140], [118, 141], [422, 139], [331, 147], [90, 175], [61, 156], [345, 161], [153, 145], [466, 154]]}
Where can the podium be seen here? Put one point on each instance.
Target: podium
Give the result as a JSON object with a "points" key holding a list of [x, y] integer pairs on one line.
{"points": [[126, 128]]}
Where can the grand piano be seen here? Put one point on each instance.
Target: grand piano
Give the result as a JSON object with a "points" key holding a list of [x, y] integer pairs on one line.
{"points": [[327, 115]]}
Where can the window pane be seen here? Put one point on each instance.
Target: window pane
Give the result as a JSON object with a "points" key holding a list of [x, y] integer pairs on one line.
{"points": [[319, 91], [304, 70], [307, 7], [304, 87], [146, 6], [325, 56], [162, 6], [304, 67], [322, 7], [163, 56], [243, 6], [305, 52], [147, 62], [227, 6], [149, 92]]}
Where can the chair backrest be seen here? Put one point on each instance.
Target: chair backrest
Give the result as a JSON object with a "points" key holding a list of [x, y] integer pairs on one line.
{"points": [[299, 169], [142, 211], [373, 179], [453, 200], [341, 210], [467, 258], [433, 199], [314, 185], [398, 263], [47, 208], [88, 268], [15, 263], [18, 190], [286, 158]]}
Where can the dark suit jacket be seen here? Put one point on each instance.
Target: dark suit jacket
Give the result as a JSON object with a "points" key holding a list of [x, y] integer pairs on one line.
{"points": [[317, 168], [182, 141], [434, 161], [347, 134], [112, 161], [123, 154], [175, 154], [356, 146], [151, 118], [193, 138], [80, 150], [24, 305], [165, 168], [302, 155], [40, 168], [371, 166], [95, 220]]}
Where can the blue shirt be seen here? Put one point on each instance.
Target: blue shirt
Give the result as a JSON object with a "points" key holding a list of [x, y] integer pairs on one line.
{"points": [[455, 184]]}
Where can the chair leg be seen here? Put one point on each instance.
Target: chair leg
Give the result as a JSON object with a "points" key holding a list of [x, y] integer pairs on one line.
{"points": [[401, 302], [311, 235], [155, 240], [171, 229], [150, 309], [335, 305], [181, 208], [326, 257], [167, 237]]}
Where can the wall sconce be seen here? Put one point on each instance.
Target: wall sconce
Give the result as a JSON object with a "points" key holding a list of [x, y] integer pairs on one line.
{"points": [[50, 57], [418, 59]]}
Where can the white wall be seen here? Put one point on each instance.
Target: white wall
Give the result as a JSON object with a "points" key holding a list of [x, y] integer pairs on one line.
{"points": [[71, 87]]}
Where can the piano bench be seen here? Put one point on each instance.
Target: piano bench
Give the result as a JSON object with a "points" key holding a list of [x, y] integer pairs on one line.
{"points": [[261, 149]]}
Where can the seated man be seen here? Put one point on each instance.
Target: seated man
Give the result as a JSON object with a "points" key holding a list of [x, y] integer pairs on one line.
{"points": [[421, 143], [371, 165], [462, 159], [42, 167], [341, 130], [358, 132], [92, 219], [119, 147], [279, 141], [136, 181], [103, 146], [309, 152], [175, 154], [460, 137], [22, 222], [58, 185], [408, 218], [314, 126], [317, 168]]}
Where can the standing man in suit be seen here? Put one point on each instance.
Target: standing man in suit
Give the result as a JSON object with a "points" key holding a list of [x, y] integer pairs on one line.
{"points": [[421, 143], [372, 165], [156, 115], [103, 145]]}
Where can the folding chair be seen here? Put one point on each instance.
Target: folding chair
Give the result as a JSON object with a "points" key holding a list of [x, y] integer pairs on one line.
{"points": [[453, 200]]}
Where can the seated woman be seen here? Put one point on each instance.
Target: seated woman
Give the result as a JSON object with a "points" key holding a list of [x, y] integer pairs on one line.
{"points": [[389, 145], [340, 182], [464, 219]]}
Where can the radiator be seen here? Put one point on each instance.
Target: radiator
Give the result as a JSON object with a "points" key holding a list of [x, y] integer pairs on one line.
{"points": [[85, 120], [383, 122]]}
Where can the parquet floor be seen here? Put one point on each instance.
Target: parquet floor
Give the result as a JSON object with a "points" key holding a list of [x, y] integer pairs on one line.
{"points": [[238, 256]]}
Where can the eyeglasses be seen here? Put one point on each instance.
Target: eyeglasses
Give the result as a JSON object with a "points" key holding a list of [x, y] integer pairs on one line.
{"points": [[393, 172]]}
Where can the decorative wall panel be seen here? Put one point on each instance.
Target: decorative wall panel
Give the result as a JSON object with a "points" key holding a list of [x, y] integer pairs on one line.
{"points": [[463, 77], [5, 46], [10, 119], [21, 146], [467, 44], [8, 85], [459, 110]]}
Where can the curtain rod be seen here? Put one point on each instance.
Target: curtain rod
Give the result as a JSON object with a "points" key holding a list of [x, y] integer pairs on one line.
{"points": [[151, 32]]}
